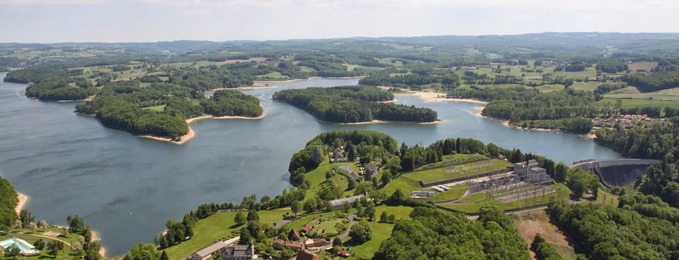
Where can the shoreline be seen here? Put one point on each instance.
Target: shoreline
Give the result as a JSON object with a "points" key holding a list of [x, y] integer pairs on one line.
{"points": [[102, 249], [381, 122], [191, 134], [23, 199], [427, 96]]}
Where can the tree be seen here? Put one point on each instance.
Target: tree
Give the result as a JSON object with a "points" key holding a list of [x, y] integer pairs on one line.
{"points": [[163, 256], [337, 241], [53, 247], [386, 177], [32, 226], [12, 251], [295, 207], [361, 232], [383, 217], [143, 251], [239, 218], [253, 216], [310, 205], [43, 224], [392, 218], [580, 181], [26, 217]]}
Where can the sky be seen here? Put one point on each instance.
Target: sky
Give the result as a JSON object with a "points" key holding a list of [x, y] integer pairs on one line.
{"points": [[50, 21]]}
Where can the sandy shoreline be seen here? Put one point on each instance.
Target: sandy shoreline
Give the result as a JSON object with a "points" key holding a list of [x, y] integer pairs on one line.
{"points": [[382, 122], [188, 136], [427, 96], [23, 199], [102, 249]]}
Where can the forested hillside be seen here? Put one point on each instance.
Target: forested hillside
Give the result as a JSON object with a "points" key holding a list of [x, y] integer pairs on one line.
{"points": [[432, 234], [8, 202]]}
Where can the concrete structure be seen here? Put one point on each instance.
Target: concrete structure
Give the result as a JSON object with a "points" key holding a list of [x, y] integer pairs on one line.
{"points": [[613, 173], [530, 171], [418, 194], [25, 248], [206, 252]]}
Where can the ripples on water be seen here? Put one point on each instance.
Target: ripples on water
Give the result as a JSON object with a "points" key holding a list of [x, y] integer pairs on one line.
{"points": [[126, 187]]}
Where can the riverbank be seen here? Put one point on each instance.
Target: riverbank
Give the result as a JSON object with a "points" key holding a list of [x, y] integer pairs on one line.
{"points": [[23, 199], [191, 134]]}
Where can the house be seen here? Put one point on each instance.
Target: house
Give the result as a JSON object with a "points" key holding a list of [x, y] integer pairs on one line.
{"points": [[306, 228], [344, 253], [338, 155], [372, 169], [280, 244], [206, 252], [303, 255], [238, 252], [293, 235], [316, 242]]}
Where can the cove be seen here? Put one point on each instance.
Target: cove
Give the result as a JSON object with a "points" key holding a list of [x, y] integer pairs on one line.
{"points": [[126, 187]]}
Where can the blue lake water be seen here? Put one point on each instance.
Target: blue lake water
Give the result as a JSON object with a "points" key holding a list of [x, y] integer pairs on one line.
{"points": [[125, 187]]}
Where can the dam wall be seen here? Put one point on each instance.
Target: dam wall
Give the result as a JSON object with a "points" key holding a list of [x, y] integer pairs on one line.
{"points": [[613, 173]]}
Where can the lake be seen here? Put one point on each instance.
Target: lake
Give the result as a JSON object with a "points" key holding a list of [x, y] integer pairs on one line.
{"points": [[126, 187]]}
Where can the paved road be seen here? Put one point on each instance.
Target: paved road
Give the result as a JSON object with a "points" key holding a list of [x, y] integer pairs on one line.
{"points": [[352, 221]]}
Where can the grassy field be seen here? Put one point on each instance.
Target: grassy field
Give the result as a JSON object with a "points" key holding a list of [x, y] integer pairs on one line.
{"points": [[606, 198], [220, 226], [272, 76], [629, 103], [318, 181], [634, 94], [531, 223], [458, 171], [473, 203], [160, 108], [454, 193], [381, 231]]}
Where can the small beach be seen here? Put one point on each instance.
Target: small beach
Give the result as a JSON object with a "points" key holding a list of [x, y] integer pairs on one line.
{"points": [[185, 138], [23, 199]]}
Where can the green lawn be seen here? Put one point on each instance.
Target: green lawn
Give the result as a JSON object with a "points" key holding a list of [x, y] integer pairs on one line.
{"points": [[381, 232], [473, 203], [458, 171], [31, 237], [404, 182], [220, 226], [160, 108], [454, 193], [272, 76]]}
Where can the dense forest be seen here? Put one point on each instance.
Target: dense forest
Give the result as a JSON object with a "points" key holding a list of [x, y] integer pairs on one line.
{"points": [[620, 233], [569, 110], [8, 201], [432, 234], [653, 81], [352, 104], [125, 105]]}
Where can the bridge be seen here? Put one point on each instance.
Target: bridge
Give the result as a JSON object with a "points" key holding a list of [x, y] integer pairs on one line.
{"points": [[618, 172]]}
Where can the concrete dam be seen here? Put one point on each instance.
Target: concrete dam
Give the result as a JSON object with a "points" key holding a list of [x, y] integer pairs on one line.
{"points": [[613, 173]]}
